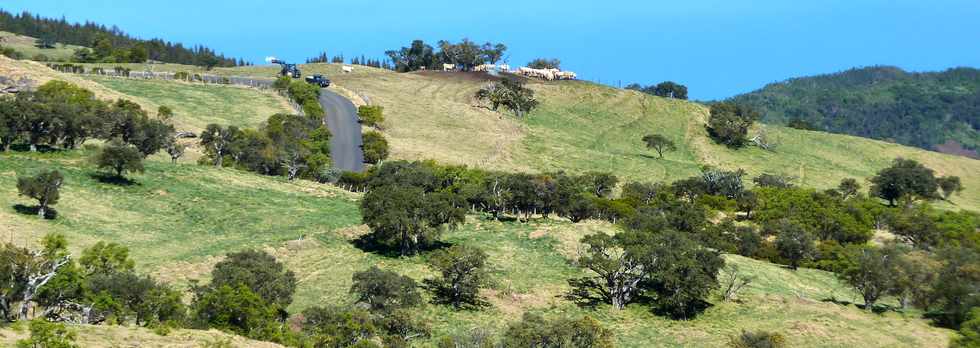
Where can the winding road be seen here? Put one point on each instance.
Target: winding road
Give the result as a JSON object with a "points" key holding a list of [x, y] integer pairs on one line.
{"points": [[345, 144]]}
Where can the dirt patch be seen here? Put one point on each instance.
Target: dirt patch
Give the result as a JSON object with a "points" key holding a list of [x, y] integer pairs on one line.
{"points": [[955, 148]]}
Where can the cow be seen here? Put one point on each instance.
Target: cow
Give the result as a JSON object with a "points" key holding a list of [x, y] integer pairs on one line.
{"points": [[448, 67], [347, 69]]}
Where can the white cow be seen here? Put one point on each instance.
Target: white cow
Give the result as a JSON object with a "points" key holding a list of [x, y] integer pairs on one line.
{"points": [[504, 67], [347, 69], [448, 67], [484, 67]]}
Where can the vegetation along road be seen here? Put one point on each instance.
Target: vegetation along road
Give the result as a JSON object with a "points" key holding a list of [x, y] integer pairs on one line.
{"points": [[345, 144]]}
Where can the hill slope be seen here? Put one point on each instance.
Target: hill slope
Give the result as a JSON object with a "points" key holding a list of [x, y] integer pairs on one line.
{"points": [[933, 110]]}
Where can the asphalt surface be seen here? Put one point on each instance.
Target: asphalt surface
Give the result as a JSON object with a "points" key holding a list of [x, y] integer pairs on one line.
{"points": [[345, 144]]}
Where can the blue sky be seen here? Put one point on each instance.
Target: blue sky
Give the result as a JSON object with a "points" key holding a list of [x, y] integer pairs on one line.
{"points": [[717, 48]]}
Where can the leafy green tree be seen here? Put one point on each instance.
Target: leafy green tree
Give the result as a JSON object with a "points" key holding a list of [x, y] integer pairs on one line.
{"points": [[510, 93], [165, 113], [949, 186], [619, 271], [729, 123], [463, 272], [260, 272], [793, 242], [871, 273], [375, 147], [535, 331], [175, 150], [371, 115], [45, 334], [217, 141], [670, 89], [337, 327], [126, 295], [236, 309], [493, 53], [407, 219], [906, 180], [120, 158], [385, 291], [544, 63], [954, 293], [916, 226], [44, 187], [106, 258], [682, 273], [282, 83], [848, 188], [659, 143]]}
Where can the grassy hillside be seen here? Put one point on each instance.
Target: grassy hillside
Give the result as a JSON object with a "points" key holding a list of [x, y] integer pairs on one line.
{"points": [[932, 110], [196, 105], [26, 46], [179, 220]]}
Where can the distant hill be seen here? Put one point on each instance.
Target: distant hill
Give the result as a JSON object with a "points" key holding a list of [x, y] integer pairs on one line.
{"points": [[931, 110]]}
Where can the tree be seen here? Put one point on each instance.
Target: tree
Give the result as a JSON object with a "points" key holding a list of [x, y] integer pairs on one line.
{"points": [[848, 188], [260, 272], [165, 113], [375, 147], [793, 242], [669, 89], [619, 272], [217, 141], [729, 123], [871, 273], [106, 258], [385, 291], [463, 272], [493, 53], [916, 226], [535, 331], [338, 327], [510, 93], [45, 187], [45, 334], [949, 185], [682, 273], [120, 158], [175, 150], [406, 219], [954, 293], [544, 63], [906, 180], [659, 143]]}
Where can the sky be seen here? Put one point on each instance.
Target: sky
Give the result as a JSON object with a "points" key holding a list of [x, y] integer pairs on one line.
{"points": [[718, 48]]}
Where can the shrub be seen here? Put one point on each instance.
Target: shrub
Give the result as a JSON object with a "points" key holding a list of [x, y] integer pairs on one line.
{"points": [[534, 331], [45, 334], [375, 147], [758, 339], [729, 123], [371, 115], [385, 290], [260, 272]]}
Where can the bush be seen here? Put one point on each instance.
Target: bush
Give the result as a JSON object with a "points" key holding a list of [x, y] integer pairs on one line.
{"points": [[385, 290], [45, 334], [534, 331], [795, 244], [371, 115], [260, 272], [463, 273], [375, 147], [758, 339], [236, 309]]}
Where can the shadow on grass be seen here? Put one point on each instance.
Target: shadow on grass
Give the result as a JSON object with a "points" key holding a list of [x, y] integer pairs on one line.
{"points": [[113, 179], [50, 214], [583, 293], [586, 293], [647, 156], [368, 244]]}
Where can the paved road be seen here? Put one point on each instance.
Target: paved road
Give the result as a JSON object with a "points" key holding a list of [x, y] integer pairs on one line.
{"points": [[345, 144]]}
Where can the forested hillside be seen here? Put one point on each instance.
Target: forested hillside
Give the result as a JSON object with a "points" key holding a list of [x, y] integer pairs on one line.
{"points": [[932, 110], [108, 44]]}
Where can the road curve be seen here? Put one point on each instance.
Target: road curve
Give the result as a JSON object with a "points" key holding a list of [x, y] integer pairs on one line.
{"points": [[345, 144]]}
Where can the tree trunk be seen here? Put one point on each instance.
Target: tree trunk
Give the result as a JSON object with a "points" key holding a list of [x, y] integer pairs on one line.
{"points": [[41, 210], [33, 147]]}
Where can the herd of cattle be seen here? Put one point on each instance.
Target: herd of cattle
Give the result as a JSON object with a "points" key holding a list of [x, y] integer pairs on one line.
{"points": [[547, 74]]}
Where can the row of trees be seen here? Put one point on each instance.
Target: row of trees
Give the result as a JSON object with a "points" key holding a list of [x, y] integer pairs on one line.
{"points": [[465, 54], [362, 60], [666, 89], [291, 145], [60, 114], [108, 44]]}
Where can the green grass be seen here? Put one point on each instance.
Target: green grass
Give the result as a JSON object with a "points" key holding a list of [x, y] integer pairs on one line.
{"points": [[26, 46], [196, 105]]}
